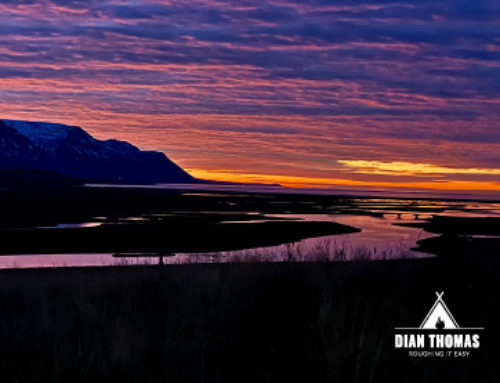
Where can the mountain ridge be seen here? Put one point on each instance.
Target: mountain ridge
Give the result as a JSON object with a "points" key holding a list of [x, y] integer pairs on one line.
{"points": [[73, 152]]}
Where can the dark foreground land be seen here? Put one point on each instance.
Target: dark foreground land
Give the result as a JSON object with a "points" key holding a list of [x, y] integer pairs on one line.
{"points": [[242, 322], [274, 322]]}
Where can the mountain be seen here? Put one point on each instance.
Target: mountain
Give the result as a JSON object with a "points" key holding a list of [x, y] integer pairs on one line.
{"points": [[71, 151]]}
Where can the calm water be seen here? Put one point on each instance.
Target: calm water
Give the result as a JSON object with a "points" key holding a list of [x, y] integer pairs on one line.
{"points": [[378, 240], [380, 237]]}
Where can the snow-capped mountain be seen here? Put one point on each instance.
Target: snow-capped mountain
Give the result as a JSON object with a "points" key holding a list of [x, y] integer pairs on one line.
{"points": [[72, 151]]}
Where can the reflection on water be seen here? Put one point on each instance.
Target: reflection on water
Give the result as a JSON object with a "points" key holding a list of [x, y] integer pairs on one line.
{"points": [[71, 260], [421, 209], [53, 260], [470, 213], [71, 225], [380, 238]]}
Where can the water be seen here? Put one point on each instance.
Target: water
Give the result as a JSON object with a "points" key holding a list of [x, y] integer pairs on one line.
{"points": [[71, 225], [381, 237], [378, 240]]}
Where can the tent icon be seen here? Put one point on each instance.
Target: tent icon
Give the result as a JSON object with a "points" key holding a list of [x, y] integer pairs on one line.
{"points": [[439, 316]]}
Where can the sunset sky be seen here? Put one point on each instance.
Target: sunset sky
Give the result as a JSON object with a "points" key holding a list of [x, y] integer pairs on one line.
{"points": [[367, 94]]}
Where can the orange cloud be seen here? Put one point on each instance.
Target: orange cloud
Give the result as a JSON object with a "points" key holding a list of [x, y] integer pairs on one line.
{"points": [[411, 169], [310, 182]]}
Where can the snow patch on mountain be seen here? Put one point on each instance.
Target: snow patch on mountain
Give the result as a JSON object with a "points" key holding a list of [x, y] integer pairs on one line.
{"points": [[41, 131], [70, 150]]}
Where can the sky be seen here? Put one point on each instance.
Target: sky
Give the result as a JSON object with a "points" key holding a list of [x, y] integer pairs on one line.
{"points": [[375, 95]]}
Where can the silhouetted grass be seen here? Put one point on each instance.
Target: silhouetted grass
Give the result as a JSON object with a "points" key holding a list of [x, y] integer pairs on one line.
{"points": [[240, 322], [327, 249]]}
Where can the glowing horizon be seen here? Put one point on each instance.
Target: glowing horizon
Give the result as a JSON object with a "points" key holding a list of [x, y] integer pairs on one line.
{"points": [[328, 183]]}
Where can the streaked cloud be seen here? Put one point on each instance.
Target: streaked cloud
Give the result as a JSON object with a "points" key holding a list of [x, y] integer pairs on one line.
{"points": [[410, 169], [317, 89], [311, 182]]}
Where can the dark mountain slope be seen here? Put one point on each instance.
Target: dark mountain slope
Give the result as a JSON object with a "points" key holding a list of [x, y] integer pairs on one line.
{"points": [[73, 152]]}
